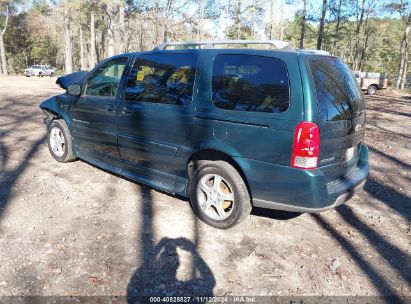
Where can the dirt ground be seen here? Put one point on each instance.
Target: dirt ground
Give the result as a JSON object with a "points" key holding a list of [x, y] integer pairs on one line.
{"points": [[73, 229]]}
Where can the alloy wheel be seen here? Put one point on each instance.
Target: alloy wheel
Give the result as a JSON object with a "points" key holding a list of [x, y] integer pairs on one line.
{"points": [[57, 141], [215, 197]]}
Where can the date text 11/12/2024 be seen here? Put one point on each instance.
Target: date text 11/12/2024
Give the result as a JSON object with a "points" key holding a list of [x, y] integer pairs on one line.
{"points": [[231, 299]]}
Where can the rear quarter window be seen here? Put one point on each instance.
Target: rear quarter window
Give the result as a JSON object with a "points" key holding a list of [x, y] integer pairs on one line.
{"points": [[338, 94], [250, 83]]}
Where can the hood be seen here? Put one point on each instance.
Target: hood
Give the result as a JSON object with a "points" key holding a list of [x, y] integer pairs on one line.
{"points": [[66, 80]]}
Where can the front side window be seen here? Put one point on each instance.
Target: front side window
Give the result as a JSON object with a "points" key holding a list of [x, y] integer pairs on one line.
{"points": [[250, 83], [106, 79], [162, 78]]}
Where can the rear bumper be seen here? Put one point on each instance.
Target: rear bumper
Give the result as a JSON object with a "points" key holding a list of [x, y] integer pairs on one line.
{"points": [[278, 206], [285, 188]]}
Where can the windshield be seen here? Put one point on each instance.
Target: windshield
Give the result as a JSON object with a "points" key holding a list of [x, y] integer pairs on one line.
{"points": [[36, 67], [338, 94]]}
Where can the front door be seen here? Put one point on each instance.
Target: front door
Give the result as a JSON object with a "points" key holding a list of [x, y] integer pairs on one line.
{"points": [[94, 112], [155, 118]]}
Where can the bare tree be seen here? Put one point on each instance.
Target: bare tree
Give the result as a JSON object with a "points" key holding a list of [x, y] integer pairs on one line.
{"points": [[123, 32], [110, 10], [271, 21], [322, 23], [92, 52], [402, 73], [337, 26], [359, 21], [80, 37], [201, 11], [67, 41], [302, 23], [2, 48]]}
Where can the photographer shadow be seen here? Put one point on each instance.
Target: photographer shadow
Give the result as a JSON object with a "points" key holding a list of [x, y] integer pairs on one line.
{"points": [[158, 275]]}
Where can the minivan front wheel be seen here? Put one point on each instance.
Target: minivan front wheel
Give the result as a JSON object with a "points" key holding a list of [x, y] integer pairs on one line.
{"points": [[219, 195], [59, 142]]}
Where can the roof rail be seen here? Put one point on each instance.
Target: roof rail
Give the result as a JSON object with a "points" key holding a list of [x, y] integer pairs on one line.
{"points": [[319, 52], [278, 44]]}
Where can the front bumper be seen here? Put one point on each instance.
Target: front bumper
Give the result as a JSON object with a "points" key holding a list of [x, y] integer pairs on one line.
{"points": [[285, 188]]}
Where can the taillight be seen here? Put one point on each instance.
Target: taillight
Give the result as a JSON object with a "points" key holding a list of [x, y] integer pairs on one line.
{"points": [[306, 146]]}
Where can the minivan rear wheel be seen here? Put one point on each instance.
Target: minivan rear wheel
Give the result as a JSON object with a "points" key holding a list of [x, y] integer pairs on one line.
{"points": [[219, 195]]}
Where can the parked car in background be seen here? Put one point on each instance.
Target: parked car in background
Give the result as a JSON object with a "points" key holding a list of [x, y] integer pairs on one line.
{"points": [[227, 128], [371, 82], [39, 71]]}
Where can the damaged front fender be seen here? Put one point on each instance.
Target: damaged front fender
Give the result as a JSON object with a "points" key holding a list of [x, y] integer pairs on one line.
{"points": [[57, 107]]}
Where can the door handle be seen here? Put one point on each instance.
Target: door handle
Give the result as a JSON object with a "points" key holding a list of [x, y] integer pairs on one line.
{"points": [[126, 110], [131, 108], [110, 108]]}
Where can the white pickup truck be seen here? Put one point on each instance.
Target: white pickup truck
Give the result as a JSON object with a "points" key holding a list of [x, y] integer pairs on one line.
{"points": [[371, 82], [39, 71]]}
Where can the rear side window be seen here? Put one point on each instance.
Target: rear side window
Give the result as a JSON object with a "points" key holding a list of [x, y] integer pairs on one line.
{"points": [[162, 78], [338, 94], [250, 83]]}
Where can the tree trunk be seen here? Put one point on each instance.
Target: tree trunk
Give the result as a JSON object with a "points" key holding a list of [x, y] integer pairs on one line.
{"points": [[364, 50], [238, 18], [110, 51], [201, 8], [302, 23], [93, 59], [321, 29], [402, 73], [82, 59], [271, 24], [111, 30], [337, 26], [67, 40], [123, 38], [2, 48], [226, 22], [3, 67], [357, 36]]}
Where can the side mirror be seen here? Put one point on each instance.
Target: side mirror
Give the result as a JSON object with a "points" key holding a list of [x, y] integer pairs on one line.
{"points": [[74, 89]]}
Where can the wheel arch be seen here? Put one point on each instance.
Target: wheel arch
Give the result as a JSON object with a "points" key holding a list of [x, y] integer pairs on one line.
{"points": [[210, 154]]}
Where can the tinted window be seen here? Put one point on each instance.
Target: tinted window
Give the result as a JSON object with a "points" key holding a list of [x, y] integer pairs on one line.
{"points": [[162, 78], [106, 79], [338, 94], [250, 83]]}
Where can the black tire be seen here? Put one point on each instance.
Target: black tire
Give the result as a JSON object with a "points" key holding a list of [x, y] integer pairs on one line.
{"points": [[68, 154], [372, 89], [241, 207]]}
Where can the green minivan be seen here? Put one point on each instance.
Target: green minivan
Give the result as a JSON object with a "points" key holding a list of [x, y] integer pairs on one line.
{"points": [[228, 128]]}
